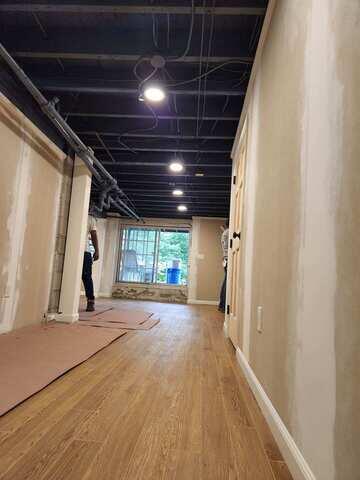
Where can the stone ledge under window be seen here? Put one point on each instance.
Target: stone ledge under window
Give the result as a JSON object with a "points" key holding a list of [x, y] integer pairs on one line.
{"points": [[157, 293]]}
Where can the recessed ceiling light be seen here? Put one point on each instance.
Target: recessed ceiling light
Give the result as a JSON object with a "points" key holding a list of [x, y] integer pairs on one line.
{"points": [[177, 193], [182, 208], [199, 174], [154, 93], [176, 167]]}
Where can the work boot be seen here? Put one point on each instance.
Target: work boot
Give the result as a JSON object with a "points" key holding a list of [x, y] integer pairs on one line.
{"points": [[90, 306]]}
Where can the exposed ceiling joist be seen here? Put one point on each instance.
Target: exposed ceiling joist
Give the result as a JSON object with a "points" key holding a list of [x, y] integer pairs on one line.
{"points": [[98, 87], [153, 149], [165, 191], [179, 200], [122, 57], [158, 174], [222, 118], [125, 183], [165, 164], [128, 9], [157, 135]]}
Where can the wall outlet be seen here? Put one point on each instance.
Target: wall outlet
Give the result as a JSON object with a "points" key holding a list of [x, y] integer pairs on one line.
{"points": [[259, 323]]}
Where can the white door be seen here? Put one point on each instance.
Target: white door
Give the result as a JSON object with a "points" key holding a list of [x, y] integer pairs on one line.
{"points": [[234, 288]]}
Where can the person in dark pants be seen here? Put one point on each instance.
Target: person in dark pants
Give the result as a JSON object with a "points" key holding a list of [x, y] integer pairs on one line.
{"points": [[91, 239], [224, 246]]}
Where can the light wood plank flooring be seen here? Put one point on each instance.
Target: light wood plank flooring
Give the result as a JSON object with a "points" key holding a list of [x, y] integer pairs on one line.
{"points": [[169, 403]]}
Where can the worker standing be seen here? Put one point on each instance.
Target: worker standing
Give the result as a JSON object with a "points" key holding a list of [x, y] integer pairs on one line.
{"points": [[224, 246], [89, 258]]}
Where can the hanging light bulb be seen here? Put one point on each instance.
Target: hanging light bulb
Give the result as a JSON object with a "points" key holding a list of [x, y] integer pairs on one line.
{"points": [[176, 167], [154, 92]]}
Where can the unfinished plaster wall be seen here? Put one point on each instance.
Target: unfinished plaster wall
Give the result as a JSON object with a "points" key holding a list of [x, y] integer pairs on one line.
{"points": [[30, 183], [206, 270], [61, 231], [302, 228]]}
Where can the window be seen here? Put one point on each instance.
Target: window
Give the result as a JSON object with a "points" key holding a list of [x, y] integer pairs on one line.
{"points": [[154, 255]]}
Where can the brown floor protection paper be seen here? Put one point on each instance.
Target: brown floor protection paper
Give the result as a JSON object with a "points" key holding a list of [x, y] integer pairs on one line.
{"points": [[83, 314], [32, 357], [95, 322], [128, 317]]}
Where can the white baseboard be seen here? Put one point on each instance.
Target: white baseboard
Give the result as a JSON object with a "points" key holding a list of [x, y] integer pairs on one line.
{"points": [[4, 329], [226, 329], [104, 295], [192, 301], [67, 318], [297, 464]]}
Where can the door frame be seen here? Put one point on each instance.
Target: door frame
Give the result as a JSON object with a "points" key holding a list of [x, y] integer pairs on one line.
{"points": [[243, 140]]}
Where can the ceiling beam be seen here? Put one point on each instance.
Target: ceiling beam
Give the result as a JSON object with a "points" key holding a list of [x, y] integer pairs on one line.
{"points": [[172, 175], [125, 183], [152, 149], [222, 118], [123, 58], [180, 200], [160, 192], [159, 135], [165, 164], [128, 9], [98, 87]]}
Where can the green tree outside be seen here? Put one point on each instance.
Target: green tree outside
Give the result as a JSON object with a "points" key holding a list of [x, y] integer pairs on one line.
{"points": [[173, 246]]}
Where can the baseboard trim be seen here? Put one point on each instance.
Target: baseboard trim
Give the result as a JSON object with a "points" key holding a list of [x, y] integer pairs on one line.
{"points": [[104, 295], [4, 329], [192, 301], [226, 329], [297, 464], [67, 318]]}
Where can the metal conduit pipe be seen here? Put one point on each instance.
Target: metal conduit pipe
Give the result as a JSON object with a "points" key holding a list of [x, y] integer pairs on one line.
{"points": [[86, 154]]}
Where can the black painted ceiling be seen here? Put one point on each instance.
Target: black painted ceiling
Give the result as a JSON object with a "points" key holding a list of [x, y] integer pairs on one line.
{"points": [[84, 53]]}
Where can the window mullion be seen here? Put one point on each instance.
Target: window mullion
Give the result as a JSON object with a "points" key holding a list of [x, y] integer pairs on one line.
{"points": [[156, 256]]}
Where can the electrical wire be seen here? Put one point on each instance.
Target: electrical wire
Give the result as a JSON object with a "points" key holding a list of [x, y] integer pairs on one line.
{"points": [[154, 31], [104, 146], [188, 43], [228, 62], [200, 69], [211, 36], [152, 127], [168, 31]]}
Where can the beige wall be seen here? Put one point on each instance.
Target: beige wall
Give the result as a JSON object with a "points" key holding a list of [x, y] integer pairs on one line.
{"points": [[206, 270], [30, 183], [302, 211]]}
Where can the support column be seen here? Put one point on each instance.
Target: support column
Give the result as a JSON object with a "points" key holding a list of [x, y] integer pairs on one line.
{"points": [[75, 244]]}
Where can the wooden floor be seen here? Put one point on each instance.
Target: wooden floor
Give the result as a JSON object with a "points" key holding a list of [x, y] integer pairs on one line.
{"points": [[169, 403]]}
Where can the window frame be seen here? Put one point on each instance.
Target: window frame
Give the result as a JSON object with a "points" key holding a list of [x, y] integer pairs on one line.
{"points": [[158, 229]]}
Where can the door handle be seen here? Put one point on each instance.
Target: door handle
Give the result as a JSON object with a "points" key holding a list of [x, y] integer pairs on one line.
{"points": [[237, 235]]}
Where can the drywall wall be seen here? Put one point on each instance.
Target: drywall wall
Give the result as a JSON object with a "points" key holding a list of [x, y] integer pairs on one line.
{"points": [[61, 232], [30, 183], [302, 227], [206, 269]]}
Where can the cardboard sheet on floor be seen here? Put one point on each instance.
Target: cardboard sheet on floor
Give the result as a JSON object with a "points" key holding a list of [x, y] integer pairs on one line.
{"points": [[126, 317], [83, 314], [149, 323], [32, 357]]}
